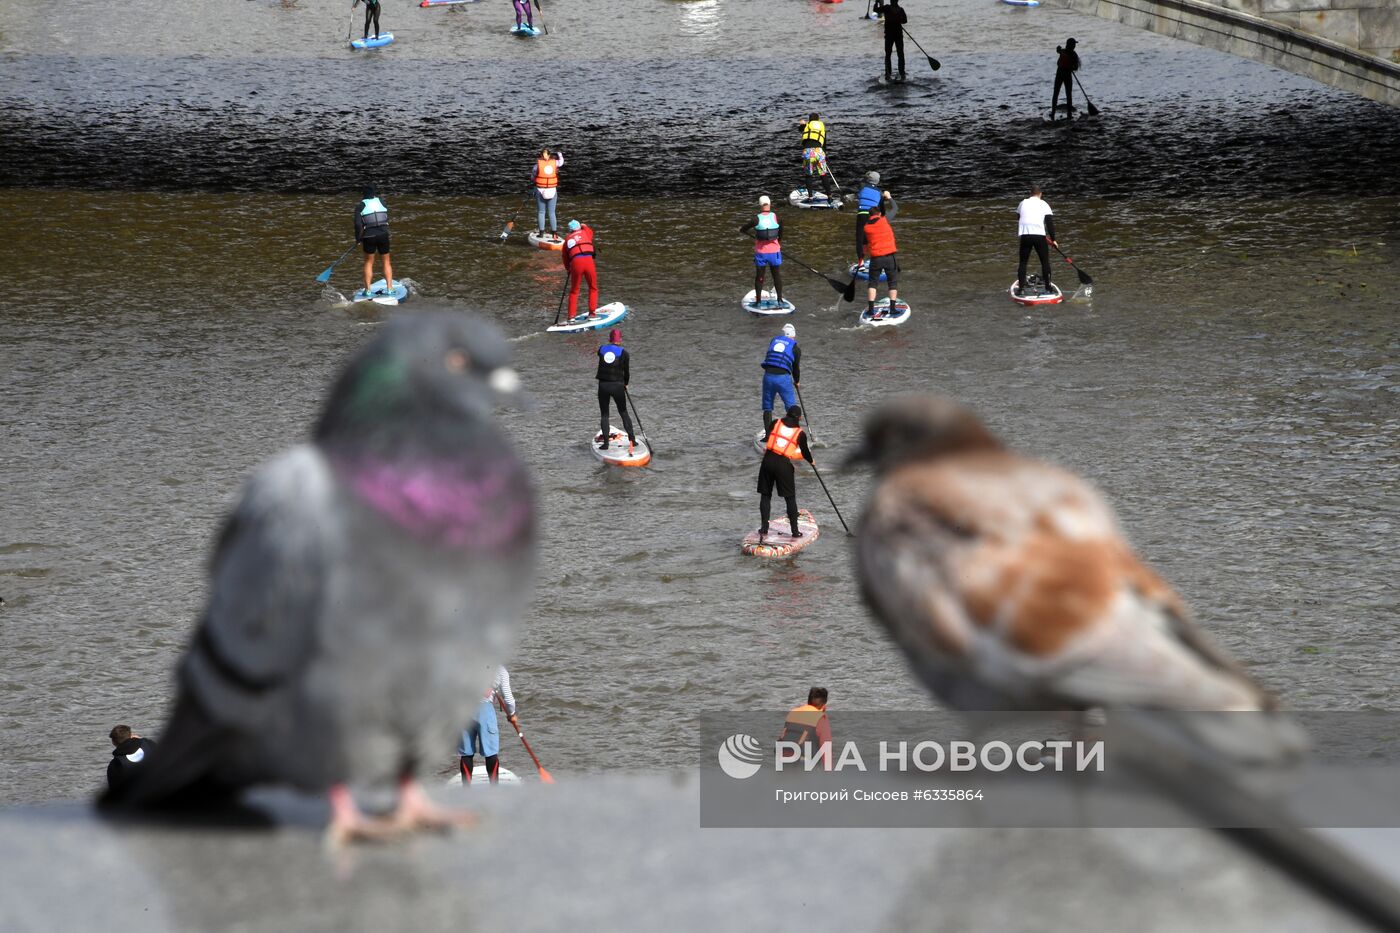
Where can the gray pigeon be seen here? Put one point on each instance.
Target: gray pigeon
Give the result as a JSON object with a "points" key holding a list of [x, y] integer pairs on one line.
{"points": [[361, 587]]}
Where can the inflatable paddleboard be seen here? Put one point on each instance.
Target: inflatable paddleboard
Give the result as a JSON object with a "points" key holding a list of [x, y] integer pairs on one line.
{"points": [[444, 2], [397, 295], [813, 200], [861, 270], [524, 31], [608, 315], [618, 452], [1034, 294], [768, 305], [503, 775], [546, 240], [900, 315], [776, 544], [373, 42], [1021, 2]]}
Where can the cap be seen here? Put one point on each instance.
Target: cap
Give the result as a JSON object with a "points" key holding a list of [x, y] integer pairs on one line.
{"points": [[872, 178], [573, 225], [1070, 43], [615, 335], [764, 200], [789, 331], [368, 191]]}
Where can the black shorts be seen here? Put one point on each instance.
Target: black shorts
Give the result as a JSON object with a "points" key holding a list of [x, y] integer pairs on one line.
{"points": [[890, 265], [376, 244], [777, 471]]}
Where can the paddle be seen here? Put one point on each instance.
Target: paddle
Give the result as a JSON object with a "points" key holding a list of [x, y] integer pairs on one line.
{"points": [[838, 286], [867, 11], [1084, 277], [805, 416], [545, 777], [639, 419], [562, 292], [510, 224], [350, 28], [325, 275], [831, 500], [543, 25], [1093, 111], [933, 62]]}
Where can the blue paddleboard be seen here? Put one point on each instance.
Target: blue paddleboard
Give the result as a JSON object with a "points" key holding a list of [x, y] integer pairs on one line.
{"points": [[377, 294], [524, 31], [373, 42], [1021, 2], [608, 315], [861, 270]]}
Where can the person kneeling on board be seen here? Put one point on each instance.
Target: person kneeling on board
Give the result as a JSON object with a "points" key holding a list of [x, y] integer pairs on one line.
{"points": [[786, 442], [880, 247], [484, 735], [767, 250], [1035, 229], [614, 374], [814, 156], [808, 727], [578, 262], [782, 372], [372, 232]]}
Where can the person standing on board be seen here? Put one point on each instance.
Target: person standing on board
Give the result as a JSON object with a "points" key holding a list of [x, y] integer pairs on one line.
{"points": [[578, 263], [883, 255], [371, 12], [782, 372], [814, 155], [546, 179], [372, 232], [614, 375], [1065, 67], [129, 752], [784, 443], [484, 735], [895, 18], [522, 8], [808, 726], [1036, 229], [767, 249]]}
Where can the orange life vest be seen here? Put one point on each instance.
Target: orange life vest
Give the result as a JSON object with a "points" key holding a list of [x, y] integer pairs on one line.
{"points": [[879, 237], [578, 243], [546, 173], [782, 440]]}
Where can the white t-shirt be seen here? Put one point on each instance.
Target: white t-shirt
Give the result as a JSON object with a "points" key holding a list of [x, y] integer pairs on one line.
{"points": [[1033, 212]]}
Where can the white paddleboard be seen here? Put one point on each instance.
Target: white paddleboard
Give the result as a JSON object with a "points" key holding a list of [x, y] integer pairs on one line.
{"points": [[1034, 294], [861, 270], [373, 42], [608, 315], [618, 452], [1021, 2], [377, 294], [776, 544], [813, 200], [546, 240], [900, 315], [503, 775], [768, 305]]}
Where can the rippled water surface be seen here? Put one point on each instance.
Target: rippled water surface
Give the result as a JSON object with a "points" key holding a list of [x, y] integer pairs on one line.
{"points": [[1232, 383]]}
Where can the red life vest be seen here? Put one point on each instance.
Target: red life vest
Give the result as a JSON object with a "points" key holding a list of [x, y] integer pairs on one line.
{"points": [[879, 237], [578, 243], [782, 440], [546, 173]]}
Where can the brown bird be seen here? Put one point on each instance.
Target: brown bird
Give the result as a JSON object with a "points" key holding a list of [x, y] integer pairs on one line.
{"points": [[1009, 585]]}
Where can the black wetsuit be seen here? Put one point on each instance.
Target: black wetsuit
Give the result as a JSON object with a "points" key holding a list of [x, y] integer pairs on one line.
{"points": [[1065, 68], [777, 470], [613, 379], [895, 18], [371, 12]]}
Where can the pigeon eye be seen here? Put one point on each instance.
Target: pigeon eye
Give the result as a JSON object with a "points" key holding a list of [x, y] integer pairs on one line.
{"points": [[455, 361]]}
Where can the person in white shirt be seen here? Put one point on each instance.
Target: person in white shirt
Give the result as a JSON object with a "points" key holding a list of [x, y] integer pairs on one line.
{"points": [[1037, 228], [483, 736]]}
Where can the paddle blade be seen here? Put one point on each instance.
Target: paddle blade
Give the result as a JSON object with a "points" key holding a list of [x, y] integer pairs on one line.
{"points": [[325, 275], [836, 286], [850, 292], [545, 776], [1084, 277], [934, 63], [510, 224], [1093, 111]]}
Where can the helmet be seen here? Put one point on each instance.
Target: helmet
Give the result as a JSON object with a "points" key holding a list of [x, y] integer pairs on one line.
{"points": [[615, 335], [574, 225], [872, 178], [789, 331]]}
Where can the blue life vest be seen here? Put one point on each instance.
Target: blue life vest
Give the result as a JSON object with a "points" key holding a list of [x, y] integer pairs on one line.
{"points": [[780, 353], [869, 197], [612, 348], [767, 226], [374, 216]]}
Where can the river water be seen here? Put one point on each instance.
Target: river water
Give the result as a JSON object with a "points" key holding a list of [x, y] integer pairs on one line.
{"points": [[175, 176]]}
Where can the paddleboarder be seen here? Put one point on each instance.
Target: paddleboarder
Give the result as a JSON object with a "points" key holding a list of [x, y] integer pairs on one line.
{"points": [[814, 155], [614, 374], [784, 443], [1065, 67], [522, 8], [372, 232], [782, 372], [895, 18], [808, 727], [546, 179], [1036, 229], [870, 195], [767, 249], [578, 262], [884, 257], [371, 12], [484, 735]]}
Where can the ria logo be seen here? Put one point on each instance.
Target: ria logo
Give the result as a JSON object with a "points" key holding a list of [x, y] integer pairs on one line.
{"points": [[740, 756]]}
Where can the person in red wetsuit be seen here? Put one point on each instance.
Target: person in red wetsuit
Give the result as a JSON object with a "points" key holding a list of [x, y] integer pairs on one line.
{"points": [[578, 260]]}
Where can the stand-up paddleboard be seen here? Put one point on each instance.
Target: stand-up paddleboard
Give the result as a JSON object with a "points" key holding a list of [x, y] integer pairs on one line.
{"points": [[900, 315], [444, 2], [524, 30], [777, 544], [608, 315], [1035, 294], [813, 200], [481, 779], [861, 270], [1021, 2], [619, 452], [546, 240], [373, 42], [377, 293], [768, 304]]}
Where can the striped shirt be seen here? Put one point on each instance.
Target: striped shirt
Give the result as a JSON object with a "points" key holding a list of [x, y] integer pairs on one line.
{"points": [[501, 687]]}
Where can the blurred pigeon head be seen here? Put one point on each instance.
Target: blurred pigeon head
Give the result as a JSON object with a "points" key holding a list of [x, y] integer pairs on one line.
{"points": [[914, 427]]}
